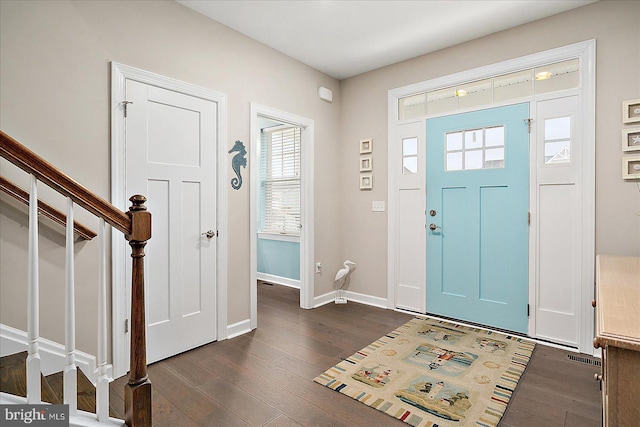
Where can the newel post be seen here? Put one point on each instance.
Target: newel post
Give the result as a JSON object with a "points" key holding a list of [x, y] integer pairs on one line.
{"points": [[137, 400]]}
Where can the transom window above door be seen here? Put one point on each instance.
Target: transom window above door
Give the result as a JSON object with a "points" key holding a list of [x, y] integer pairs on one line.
{"points": [[475, 149], [498, 89]]}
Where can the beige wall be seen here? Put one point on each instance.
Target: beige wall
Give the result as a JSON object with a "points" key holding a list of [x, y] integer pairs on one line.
{"points": [[54, 98], [614, 25], [54, 85]]}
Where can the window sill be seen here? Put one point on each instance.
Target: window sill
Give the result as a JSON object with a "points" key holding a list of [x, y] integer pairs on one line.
{"points": [[280, 237]]}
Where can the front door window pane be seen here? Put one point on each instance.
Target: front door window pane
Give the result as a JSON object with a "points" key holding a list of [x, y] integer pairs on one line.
{"points": [[473, 159], [475, 149], [454, 141], [454, 161], [473, 139], [494, 136]]}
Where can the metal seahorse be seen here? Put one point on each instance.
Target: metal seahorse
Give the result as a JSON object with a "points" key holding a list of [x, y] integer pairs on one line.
{"points": [[237, 161]]}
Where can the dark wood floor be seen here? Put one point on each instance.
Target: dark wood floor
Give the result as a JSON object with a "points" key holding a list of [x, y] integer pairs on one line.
{"points": [[265, 378]]}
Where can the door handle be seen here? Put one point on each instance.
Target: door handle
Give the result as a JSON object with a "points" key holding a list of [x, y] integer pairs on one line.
{"points": [[434, 227], [209, 234]]}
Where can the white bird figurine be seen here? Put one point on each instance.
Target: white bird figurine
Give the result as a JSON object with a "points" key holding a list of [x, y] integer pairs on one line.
{"points": [[342, 280]]}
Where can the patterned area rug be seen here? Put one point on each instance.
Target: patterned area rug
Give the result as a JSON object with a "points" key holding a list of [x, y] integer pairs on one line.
{"points": [[434, 373]]}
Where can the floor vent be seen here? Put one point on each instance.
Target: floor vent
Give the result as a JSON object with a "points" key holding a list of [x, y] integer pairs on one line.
{"points": [[586, 360]]}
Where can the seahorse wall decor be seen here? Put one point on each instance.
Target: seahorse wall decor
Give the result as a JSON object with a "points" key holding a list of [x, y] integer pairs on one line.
{"points": [[238, 160]]}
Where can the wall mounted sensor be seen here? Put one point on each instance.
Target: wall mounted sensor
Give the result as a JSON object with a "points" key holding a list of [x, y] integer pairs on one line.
{"points": [[325, 94]]}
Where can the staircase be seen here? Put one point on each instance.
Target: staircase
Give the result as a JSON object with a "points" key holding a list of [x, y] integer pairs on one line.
{"points": [[21, 374], [13, 380]]}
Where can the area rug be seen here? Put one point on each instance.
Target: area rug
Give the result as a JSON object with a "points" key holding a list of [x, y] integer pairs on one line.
{"points": [[434, 373]]}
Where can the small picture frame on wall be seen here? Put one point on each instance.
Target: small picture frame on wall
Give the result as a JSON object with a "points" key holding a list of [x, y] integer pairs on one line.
{"points": [[366, 146], [366, 181], [631, 167], [631, 139], [631, 111], [366, 164]]}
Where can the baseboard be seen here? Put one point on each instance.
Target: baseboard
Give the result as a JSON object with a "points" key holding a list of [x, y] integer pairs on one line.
{"points": [[278, 280], [321, 300], [351, 296], [366, 299], [238, 328], [52, 354]]}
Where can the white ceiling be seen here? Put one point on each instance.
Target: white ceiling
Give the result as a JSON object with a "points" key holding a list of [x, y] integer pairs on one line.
{"points": [[346, 38]]}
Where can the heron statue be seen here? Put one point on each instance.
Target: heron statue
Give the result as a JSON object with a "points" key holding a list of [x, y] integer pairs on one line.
{"points": [[342, 280]]}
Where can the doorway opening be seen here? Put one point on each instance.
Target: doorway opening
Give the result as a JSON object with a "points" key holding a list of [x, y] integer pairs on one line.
{"points": [[561, 214], [281, 212]]}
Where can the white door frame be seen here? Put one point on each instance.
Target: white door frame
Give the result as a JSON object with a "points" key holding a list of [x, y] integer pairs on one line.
{"points": [[306, 203], [119, 248], [586, 52]]}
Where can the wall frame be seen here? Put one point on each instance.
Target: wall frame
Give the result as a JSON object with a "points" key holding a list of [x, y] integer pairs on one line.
{"points": [[631, 111], [631, 139], [366, 181], [366, 163], [366, 146], [631, 167]]}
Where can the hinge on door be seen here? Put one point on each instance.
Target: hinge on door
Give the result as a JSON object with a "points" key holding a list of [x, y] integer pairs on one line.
{"points": [[527, 310], [216, 233], [529, 218], [126, 326], [124, 106], [528, 122]]}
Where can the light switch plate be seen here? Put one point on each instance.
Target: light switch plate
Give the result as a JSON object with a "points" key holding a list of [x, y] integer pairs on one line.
{"points": [[377, 206]]}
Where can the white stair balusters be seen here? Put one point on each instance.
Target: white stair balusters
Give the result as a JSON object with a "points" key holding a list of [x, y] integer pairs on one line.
{"points": [[33, 301], [102, 385], [70, 370]]}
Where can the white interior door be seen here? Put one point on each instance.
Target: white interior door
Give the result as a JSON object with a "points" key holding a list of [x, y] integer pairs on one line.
{"points": [[171, 159]]}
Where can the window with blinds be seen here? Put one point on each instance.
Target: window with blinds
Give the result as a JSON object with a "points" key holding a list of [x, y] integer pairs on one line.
{"points": [[281, 180]]}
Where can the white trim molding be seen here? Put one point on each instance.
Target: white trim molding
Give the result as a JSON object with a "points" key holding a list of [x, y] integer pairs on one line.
{"points": [[239, 328], [52, 354], [278, 280], [330, 297], [120, 298]]}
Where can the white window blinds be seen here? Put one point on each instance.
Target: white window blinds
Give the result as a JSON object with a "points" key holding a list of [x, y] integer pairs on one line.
{"points": [[281, 180]]}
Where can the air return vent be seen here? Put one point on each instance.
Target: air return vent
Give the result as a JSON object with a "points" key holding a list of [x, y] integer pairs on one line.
{"points": [[585, 360]]}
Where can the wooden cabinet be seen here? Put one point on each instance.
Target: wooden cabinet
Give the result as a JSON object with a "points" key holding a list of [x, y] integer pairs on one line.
{"points": [[618, 334]]}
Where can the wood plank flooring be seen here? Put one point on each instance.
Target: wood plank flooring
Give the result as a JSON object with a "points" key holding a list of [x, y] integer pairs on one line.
{"points": [[265, 377]]}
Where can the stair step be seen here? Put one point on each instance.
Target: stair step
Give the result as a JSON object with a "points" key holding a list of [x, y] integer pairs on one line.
{"points": [[13, 380], [86, 390]]}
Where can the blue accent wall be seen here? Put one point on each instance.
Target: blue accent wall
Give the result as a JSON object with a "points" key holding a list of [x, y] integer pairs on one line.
{"points": [[279, 258]]}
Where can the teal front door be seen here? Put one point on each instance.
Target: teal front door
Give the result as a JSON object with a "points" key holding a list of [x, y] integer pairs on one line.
{"points": [[477, 217]]}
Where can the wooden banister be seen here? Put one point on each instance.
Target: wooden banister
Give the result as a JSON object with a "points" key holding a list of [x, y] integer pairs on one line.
{"points": [[137, 402], [136, 226], [31, 163], [45, 209]]}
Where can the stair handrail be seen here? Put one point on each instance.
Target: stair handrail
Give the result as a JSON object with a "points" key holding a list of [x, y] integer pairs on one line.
{"points": [[45, 209], [136, 227], [31, 163]]}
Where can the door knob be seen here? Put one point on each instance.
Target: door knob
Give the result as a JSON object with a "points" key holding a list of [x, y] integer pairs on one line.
{"points": [[209, 234], [434, 227]]}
